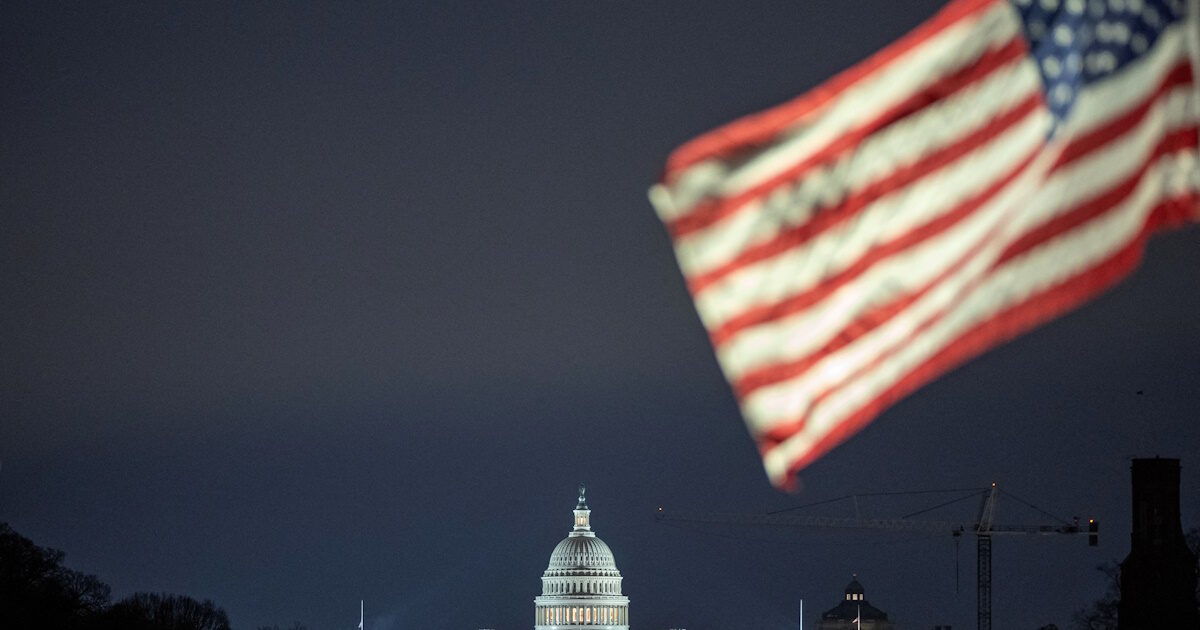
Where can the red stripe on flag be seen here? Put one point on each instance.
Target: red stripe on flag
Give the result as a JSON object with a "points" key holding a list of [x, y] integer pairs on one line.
{"points": [[758, 129], [710, 211], [855, 203]]}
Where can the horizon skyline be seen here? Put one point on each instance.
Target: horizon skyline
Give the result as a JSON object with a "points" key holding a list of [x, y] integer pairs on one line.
{"points": [[308, 303]]}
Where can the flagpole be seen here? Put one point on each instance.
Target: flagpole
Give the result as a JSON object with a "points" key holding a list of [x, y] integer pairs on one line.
{"points": [[360, 614]]}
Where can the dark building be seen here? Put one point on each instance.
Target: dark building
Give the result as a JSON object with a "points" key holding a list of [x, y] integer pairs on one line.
{"points": [[1158, 577], [854, 612]]}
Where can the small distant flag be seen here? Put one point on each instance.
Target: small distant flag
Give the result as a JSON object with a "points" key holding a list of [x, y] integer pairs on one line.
{"points": [[996, 167]]}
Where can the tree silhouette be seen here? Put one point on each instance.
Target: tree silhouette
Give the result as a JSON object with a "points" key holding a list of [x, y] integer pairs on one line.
{"points": [[164, 611], [1102, 614], [37, 591]]}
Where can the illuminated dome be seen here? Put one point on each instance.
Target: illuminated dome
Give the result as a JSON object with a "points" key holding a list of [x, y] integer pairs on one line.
{"points": [[581, 587], [582, 552]]}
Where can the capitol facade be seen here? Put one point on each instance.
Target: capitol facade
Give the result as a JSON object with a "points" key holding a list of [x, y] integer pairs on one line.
{"points": [[582, 586]]}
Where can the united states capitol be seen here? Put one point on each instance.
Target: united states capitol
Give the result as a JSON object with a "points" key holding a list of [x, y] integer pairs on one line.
{"points": [[581, 588]]}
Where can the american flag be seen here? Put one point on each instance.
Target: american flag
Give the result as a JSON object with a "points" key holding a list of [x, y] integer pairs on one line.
{"points": [[996, 167]]}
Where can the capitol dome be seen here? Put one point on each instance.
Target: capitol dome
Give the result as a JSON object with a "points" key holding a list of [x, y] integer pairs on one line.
{"points": [[582, 552], [581, 587]]}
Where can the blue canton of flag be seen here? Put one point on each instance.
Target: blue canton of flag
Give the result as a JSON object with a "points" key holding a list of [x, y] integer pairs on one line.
{"points": [[1077, 42]]}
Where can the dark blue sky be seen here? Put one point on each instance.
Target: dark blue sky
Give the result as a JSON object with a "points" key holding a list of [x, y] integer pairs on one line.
{"points": [[308, 303]]}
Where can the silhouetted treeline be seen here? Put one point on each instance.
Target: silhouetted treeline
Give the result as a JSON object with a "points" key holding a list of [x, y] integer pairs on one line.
{"points": [[37, 591], [153, 611]]}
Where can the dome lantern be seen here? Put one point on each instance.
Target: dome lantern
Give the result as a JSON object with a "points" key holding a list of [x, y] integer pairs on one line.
{"points": [[583, 515], [854, 590], [854, 612]]}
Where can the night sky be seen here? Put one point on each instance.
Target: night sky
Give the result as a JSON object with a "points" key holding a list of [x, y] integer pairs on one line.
{"points": [[308, 303]]}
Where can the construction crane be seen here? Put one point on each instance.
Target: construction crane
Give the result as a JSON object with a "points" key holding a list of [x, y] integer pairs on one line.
{"points": [[983, 528]]}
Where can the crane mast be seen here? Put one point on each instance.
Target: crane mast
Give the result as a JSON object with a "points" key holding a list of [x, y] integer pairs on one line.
{"points": [[983, 561]]}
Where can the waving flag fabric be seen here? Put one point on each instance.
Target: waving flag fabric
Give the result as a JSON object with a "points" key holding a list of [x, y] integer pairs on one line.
{"points": [[997, 166]]}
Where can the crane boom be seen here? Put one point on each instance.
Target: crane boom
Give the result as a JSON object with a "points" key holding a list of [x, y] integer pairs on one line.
{"points": [[984, 527]]}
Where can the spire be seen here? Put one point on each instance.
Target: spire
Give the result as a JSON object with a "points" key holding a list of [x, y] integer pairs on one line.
{"points": [[583, 518]]}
